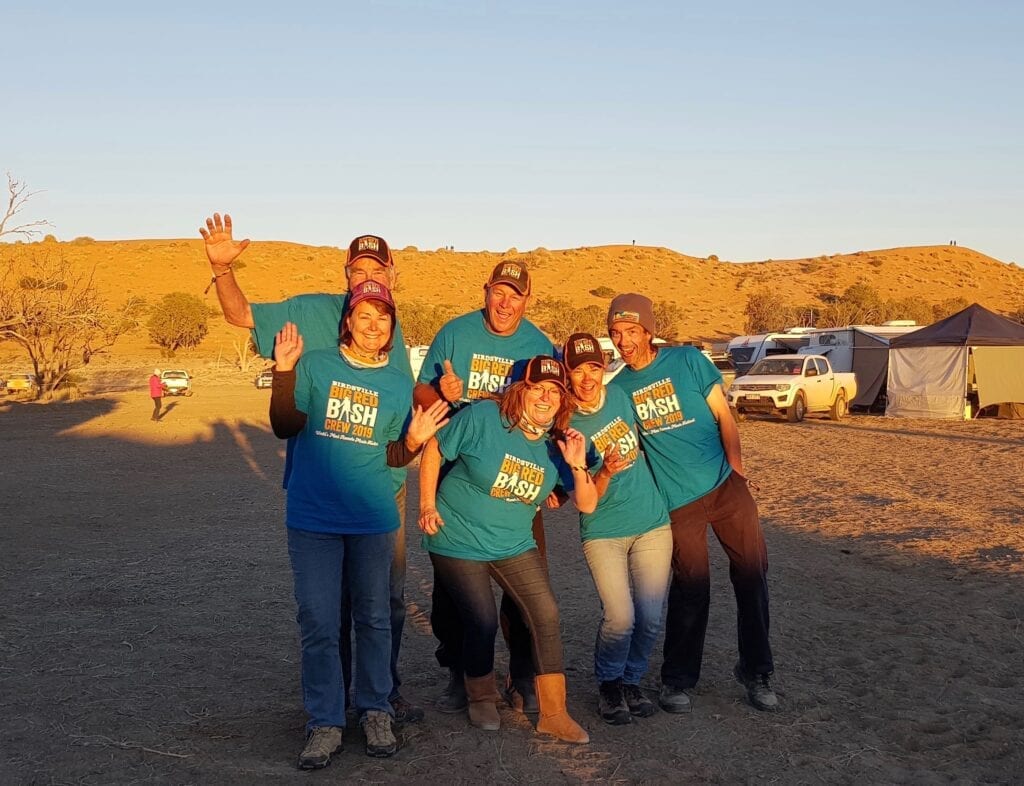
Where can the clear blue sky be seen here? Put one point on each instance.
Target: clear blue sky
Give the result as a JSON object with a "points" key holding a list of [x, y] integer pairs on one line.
{"points": [[749, 130]]}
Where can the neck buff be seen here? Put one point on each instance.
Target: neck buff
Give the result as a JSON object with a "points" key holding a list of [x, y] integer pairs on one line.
{"points": [[357, 361], [536, 429], [591, 410]]}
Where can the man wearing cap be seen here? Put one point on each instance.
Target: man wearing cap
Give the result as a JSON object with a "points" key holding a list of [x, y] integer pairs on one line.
{"points": [[318, 317], [475, 357], [693, 446]]}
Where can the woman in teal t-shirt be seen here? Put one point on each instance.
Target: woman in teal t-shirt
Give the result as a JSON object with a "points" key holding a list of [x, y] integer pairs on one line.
{"points": [[505, 459], [627, 541]]}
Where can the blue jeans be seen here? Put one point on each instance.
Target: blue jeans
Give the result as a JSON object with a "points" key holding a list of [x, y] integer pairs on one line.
{"points": [[631, 575], [321, 564], [398, 570]]}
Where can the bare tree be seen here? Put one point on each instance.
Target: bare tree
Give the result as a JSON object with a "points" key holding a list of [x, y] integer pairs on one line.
{"points": [[17, 196], [56, 315], [245, 352]]}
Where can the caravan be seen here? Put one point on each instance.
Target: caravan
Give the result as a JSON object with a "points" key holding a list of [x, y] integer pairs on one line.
{"points": [[745, 351]]}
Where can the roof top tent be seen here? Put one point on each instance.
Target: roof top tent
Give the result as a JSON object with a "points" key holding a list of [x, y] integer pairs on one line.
{"points": [[972, 357], [862, 349], [747, 350]]}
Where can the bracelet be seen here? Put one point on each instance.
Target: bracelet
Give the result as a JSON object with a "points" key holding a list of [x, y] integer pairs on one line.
{"points": [[581, 469], [213, 279]]}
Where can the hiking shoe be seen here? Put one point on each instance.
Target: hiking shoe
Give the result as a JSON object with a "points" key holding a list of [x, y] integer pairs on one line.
{"points": [[380, 738], [454, 697], [672, 699], [405, 710], [611, 704], [322, 742], [638, 703], [759, 690], [521, 695]]}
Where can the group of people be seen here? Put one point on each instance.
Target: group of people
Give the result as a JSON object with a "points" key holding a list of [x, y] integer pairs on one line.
{"points": [[504, 424]]}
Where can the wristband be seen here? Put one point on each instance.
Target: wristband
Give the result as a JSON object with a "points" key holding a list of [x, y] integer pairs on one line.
{"points": [[213, 279]]}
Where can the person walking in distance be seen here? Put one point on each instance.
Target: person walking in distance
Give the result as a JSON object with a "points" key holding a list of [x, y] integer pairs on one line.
{"points": [[156, 392]]}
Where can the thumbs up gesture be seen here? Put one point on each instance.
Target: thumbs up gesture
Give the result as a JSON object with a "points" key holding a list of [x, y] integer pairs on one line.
{"points": [[450, 384]]}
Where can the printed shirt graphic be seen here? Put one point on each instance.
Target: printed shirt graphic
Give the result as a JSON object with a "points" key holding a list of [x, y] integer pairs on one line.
{"points": [[632, 504], [497, 480], [486, 363], [339, 481], [318, 318], [677, 430]]}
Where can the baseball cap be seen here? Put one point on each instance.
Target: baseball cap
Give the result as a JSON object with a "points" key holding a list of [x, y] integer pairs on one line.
{"points": [[513, 273], [370, 246], [632, 307], [370, 290], [544, 368], [582, 348]]}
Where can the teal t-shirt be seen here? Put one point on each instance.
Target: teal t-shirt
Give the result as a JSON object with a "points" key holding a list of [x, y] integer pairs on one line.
{"points": [[486, 363], [318, 318], [496, 481], [678, 432], [339, 480], [632, 504]]}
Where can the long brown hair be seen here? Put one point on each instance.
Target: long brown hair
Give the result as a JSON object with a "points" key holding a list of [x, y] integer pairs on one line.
{"points": [[513, 404], [382, 308]]}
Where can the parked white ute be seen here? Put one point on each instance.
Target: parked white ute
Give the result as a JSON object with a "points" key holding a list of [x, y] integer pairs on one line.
{"points": [[793, 385]]}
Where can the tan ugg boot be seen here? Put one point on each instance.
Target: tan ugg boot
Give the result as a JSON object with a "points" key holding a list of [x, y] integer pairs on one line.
{"points": [[554, 718], [482, 693]]}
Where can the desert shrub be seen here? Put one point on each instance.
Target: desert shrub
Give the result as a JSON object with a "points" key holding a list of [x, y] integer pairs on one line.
{"points": [[50, 239], [668, 315], [560, 318], [948, 307], [178, 320], [712, 257], [910, 308], [603, 292], [420, 321], [1017, 314], [34, 282], [766, 311]]}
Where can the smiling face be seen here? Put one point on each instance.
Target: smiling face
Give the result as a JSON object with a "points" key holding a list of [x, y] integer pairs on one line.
{"points": [[369, 269], [542, 401], [633, 343], [587, 380], [369, 328], [503, 308]]}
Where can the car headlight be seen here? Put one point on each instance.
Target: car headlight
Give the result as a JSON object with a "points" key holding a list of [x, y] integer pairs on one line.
{"points": [[783, 386]]}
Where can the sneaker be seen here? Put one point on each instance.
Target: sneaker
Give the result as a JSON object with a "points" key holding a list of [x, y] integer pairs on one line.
{"points": [[380, 738], [672, 699], [759, 690], [454, 697], [521, 695], [611, 704], [322, 742], [638, 703], [405, 710]]}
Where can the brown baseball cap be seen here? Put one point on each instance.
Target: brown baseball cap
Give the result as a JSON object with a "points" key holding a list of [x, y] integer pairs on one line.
{"points": [[582, 348], [635, 308], [544, 368], [513, 273], [370, 290], [370, 246]]}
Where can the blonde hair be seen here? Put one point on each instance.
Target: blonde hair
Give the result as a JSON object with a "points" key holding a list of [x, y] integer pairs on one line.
{"points": [[513, 404]]}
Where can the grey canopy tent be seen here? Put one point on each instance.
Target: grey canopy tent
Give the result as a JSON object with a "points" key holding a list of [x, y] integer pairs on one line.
{"points": [[935, 371]]}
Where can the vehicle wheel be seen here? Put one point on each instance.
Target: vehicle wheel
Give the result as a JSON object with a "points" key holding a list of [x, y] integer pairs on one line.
{"points": [[796, 412], [838, 409], [187, 393], [739, 415]]}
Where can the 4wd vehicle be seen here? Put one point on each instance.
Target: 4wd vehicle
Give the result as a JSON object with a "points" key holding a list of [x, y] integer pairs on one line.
{"points": [[793, 385], [176, 383], [20, 384], [265, 378]]}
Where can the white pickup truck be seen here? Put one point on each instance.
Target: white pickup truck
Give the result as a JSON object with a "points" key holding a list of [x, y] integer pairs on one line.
{"points": [[793, 385]]}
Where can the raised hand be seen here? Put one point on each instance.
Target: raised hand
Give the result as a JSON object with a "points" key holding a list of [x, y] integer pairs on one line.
{"points": [[287, 347], [221, 249], [430, 521], [451, 383], [425, 423], [573, 447]]}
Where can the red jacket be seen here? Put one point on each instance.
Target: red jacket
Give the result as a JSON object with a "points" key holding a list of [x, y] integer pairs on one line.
{"points": [[156, 387]]}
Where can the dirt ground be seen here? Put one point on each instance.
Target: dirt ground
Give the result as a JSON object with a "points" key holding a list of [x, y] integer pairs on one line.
{"points": [[147, 633]]}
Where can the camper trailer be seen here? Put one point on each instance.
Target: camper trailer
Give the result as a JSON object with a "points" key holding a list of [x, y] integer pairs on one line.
{"points": [[745, 351], [862, 349]]}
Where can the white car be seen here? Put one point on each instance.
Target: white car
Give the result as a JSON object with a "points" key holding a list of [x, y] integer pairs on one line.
{"points": [[176, 383], [793, 385]]}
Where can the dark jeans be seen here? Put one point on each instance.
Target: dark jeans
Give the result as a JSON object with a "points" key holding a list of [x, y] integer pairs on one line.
{"points": [[398, 568], [732, 513], [157, 401], [525, 579], [447, 625]]}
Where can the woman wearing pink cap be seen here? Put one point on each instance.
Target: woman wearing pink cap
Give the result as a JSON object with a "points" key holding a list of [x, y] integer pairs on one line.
{"points": [[349, 411], [505, 459]]}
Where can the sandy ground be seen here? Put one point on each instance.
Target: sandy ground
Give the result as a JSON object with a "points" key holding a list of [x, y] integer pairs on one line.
{"points": [[147, 634]]}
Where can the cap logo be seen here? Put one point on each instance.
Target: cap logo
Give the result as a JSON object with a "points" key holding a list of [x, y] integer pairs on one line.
{"points": [[625, 316], [372, 286], [512, 270], [368, 244], [583, 345], [550, 367]]}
